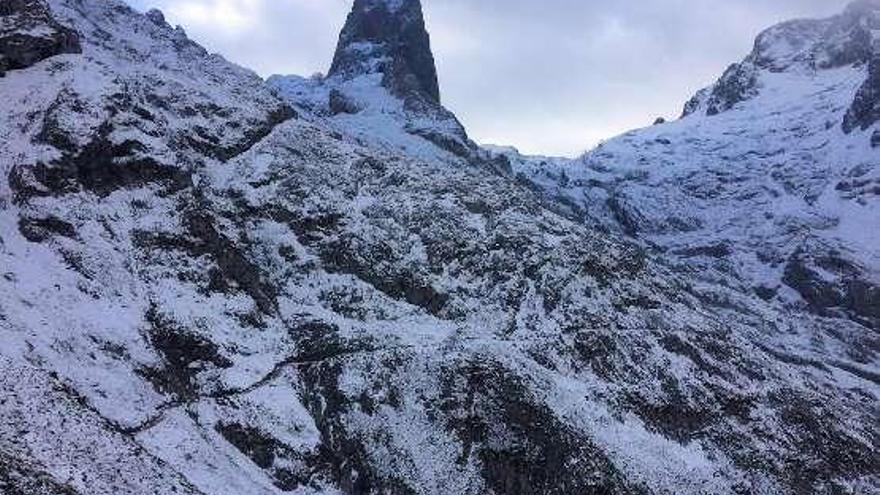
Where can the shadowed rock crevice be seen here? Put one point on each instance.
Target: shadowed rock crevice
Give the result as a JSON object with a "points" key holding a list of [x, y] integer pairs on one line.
{"points": [[41, 229], [833, 286], [29, 34], [234, 270], [497, 420], [342, 453], [288, 469], [184, 353], [100, 167]]}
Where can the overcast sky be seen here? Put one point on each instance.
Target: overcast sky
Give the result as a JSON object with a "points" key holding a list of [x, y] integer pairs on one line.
{"points": [[547, 76]]}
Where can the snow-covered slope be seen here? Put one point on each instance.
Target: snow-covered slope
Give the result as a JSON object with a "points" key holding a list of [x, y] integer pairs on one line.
{"points": [[201, 293], [770, 182]]}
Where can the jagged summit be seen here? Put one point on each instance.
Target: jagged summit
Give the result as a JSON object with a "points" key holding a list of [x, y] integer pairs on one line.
{"points": [[388, 37], [382, 86], [773, 171], [803, 46]]}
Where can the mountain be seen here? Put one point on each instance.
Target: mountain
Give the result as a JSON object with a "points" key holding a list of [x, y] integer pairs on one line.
{"points": [[382, 86], [768, 183], [212, 285]]}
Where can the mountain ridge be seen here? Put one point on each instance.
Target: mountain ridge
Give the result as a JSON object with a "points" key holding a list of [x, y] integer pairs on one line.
{"points": [[212, 285]]}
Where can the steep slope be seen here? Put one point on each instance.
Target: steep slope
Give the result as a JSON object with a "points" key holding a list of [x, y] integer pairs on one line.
{"points": [[202, 294], [770, 182]]}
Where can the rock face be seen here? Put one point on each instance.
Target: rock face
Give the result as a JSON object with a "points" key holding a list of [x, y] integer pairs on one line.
{"points": [[201, 294], [738, 84], [831, 285], [389, 37], [29, 33], [865, 109], [696, 187], [382, 85]]}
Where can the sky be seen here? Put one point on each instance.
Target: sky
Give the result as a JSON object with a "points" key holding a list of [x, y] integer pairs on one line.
{"points": [[552, 77]]}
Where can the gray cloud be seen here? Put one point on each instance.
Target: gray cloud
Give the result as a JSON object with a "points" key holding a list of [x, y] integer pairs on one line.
{"points": [[548, 76]]}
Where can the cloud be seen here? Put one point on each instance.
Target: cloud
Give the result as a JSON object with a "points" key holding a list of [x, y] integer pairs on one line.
{"points": [[226, 16], [552, 77], [268, 36]]}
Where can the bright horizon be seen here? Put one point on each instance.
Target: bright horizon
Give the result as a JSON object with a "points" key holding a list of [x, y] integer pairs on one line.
{"points": [[554, 77]]}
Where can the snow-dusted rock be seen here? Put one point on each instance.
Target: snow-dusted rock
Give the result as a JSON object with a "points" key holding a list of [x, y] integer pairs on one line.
{"points": [[200, 295], [388, 37], [383, 85], [805, 47], [773, 165], [29, 34], [865, 109]]}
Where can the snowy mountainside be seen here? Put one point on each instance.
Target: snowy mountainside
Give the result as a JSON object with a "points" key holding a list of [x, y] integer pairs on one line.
{"points": [[202, 292], [763, 184]]}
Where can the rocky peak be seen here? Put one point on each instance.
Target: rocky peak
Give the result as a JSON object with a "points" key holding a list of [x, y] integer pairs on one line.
{"points": [[838, 41], [388, 37], [851, 38]]}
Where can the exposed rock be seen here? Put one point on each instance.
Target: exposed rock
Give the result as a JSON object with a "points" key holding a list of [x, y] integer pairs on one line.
{"points": [[18, 478], [288, 470], [808, 45], [738, 84], [865, 109], [720, 250], [29, 34], [340, 103], [40, 229], [185, 354], [388, 37], [157, 17], [832, 285], [481, 396], [100, 167]]}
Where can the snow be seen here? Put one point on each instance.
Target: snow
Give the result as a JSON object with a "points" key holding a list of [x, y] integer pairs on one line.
{"points": [[383, 121], [412, 284]]}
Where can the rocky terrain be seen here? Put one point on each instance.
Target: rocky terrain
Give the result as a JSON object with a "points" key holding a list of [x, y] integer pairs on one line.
{"points": [[769, 183], [213, 285], [29, 33]]}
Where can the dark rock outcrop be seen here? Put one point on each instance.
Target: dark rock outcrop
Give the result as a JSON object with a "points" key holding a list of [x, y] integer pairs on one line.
{"points": [[19, 478], [388, 37], [341, 103], [834, 286], [865, 109], [29, 34], [811, 45], [739, 83]]}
